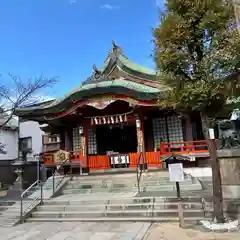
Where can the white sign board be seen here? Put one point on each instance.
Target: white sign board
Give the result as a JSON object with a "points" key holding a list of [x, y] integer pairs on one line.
{"points": [[124, 159], [176, 173], [211, 133]]}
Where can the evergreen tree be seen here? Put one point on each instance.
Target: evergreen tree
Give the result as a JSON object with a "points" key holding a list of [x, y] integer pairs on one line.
{"points": [[198, 55]]}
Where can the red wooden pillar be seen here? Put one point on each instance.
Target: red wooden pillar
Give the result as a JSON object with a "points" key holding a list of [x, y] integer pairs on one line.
{"points": [[84, 145], [68, 140], [141, 142]]}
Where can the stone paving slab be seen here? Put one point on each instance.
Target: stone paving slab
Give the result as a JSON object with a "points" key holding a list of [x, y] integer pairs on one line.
{"points": [[171, 231], [76, 231], [108, 231]]}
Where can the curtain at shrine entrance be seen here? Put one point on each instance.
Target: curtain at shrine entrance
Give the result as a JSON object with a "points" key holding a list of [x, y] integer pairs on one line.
{"points": [[116, 139]]}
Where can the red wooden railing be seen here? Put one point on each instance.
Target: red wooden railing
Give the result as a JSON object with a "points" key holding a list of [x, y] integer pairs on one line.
{"points": [[76, 156], [152, 158], [98, 162], [199, 146], [133, 158], [48, 159]]}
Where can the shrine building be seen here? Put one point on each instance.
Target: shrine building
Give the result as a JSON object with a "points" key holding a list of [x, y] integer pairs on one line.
{"points": [[113, 120]]}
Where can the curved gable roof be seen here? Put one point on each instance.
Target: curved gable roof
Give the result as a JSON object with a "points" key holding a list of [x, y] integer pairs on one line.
{"points": [[138, 82]]}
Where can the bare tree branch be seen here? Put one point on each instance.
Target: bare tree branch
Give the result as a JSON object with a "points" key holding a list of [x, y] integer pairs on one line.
{"points": [[19, 92]]}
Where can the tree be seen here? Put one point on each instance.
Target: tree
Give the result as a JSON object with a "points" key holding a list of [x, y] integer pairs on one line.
{"points": [[197, 52], [236, 4], [17, 92]]}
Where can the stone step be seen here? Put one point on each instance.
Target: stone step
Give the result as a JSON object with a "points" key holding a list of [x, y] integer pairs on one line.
{"points": [[10, 214], [116, 219], [123, 184], [228, 206], [129, 188], [130, 182], [5, 208], [126, 182], [8, 221], [118, 200], [163, 174], [7, 203], [117, 213], [122, 181], [116, 206]]}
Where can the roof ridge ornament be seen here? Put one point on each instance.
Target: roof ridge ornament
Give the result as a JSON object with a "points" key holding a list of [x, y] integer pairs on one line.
{"points": [[116, 49], [97, 73], [114, 44]]}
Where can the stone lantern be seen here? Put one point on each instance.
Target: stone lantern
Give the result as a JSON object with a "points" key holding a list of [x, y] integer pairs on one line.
{"points": [[19, 172]]}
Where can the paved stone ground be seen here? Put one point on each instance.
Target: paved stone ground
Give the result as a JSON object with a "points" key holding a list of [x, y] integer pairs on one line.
{"points": [[108, 231], [170, 231], [75, 231]]}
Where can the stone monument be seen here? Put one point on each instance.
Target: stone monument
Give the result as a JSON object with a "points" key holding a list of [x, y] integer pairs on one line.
{"points": [[229, 156]]}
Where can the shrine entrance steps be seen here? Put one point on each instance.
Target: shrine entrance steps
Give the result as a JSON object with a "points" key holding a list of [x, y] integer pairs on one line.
{"points": [[117, 183], [117, 209], [127, 182], [116, 198]]}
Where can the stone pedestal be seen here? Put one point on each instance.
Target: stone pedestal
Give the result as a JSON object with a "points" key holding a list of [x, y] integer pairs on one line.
{"points": [[229, 162]]}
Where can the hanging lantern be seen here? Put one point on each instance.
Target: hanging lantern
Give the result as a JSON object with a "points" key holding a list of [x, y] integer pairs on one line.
{"points": [[108, 121], [121, 119], [104, 120], [112, 120], [80, 130], [138, 123], [100, 121], [95, 120], [125, 118], [92, 122], [116, 119]]}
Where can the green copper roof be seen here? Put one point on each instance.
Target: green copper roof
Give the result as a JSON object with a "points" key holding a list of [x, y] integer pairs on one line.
{"points": [[125, 61], [85, 91], [134, 81], [116, 58], [115, 83]]}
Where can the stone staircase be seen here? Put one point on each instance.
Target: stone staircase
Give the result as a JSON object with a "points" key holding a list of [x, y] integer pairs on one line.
{"points": [[48, 191], [150, 182], [116, 198], [10, 210], [117, 209]]}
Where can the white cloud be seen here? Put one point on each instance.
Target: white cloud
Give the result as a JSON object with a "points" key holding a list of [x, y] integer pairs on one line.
{"points": [[160, 3], [109, 7], [73, 1]]}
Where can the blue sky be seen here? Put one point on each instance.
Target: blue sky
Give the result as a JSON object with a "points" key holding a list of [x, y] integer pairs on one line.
{"points": [[66, 37]]}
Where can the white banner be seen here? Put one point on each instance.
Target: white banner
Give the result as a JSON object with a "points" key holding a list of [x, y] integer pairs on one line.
{"points": [[119, 159], [176, 173]]}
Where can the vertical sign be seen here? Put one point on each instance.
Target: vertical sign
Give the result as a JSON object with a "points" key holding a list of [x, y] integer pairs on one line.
{"points": [[176, 173]]}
